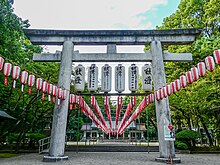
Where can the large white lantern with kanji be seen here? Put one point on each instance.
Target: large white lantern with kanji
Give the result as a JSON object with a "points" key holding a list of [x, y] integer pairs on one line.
{"points": [[119, 78], [79, 78], [133, 77], [106, 82], [147, 77], [93, 78]]}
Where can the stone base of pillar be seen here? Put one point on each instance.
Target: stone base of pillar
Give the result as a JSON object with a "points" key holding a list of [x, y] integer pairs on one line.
{"points": [[165, 160], [54, 159]]}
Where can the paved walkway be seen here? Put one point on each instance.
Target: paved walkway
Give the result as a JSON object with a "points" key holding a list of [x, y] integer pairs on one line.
{"points": [[113, 158]]}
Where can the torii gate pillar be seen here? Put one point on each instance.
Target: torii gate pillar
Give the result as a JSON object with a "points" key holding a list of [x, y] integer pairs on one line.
{"points": [[162, 106], [57, 143]]}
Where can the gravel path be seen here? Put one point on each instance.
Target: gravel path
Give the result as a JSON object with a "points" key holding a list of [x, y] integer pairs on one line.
{"points": [[113, 158]]}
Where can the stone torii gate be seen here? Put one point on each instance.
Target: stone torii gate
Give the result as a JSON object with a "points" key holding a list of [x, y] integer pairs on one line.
{"points": [[111, 38]]}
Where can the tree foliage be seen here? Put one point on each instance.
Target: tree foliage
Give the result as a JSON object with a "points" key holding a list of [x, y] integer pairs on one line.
{"points": [[193, 106]]}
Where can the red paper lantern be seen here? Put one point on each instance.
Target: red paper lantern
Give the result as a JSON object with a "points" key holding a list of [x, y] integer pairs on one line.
{"points": [[183, 81], [173, 86], [71, 99], [177, 84], [209, 61], [169, 89], [157, 94], [31, 81], [54, 92], [195, 73], [161, 93], [44, 88], [201, 69], [7, 72], [1, 63], [59, 95], [151, 97], [23, 79], [216, 54], [189, 77], [49, 90], [165, 91], [39, 84], [15, 74], [64, 94]]}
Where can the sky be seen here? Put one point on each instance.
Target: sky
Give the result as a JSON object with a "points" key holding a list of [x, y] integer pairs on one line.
{"points": [[95, 15]]}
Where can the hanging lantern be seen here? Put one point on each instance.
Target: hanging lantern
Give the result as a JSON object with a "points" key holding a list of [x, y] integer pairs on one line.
{"points": [[161, 93], [71, 99], [15, 74], [64, 94], [183, 81], [44, 89], [133, 77], [23, 79], [177, 84], [195, 73], [147, 77], [165, 91], [106, 81], [157, 94], [79, 78], [54, 92], [49, 90], [151, 98], [1, 63], [209, 61], [31, 81], [7, 72], [201, 69], [119, 78], [173, 86], [93, 78], [59, 95], [216, 54], [189, 77], [39, 82], [169, 89]]}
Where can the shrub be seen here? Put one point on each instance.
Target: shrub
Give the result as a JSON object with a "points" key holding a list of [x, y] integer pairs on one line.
{"points": [[180, 145], [188, 137]]}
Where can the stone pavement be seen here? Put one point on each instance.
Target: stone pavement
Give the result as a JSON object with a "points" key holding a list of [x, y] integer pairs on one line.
{"points": [[113, 158]]}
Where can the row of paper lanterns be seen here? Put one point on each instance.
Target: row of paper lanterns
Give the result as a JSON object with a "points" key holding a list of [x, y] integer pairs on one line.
{"points": [[189, 77], [29, 79], [106, 78]]}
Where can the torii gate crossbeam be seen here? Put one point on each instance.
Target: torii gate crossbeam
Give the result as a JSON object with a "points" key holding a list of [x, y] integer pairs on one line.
{"points": [[111, 38]]}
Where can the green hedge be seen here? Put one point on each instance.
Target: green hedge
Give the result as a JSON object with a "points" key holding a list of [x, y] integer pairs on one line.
{"points": [[181, 145]]}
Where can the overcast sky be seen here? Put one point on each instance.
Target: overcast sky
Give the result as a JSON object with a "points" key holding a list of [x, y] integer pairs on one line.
{"points": [[95, 14]]}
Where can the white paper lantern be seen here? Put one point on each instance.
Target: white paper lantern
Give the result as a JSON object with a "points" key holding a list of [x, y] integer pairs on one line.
{"points": [[195, 73], [183, 81], [119, 78], [147, 77], [210, 64], [201, 69], [133, 77], [177, 84], [93, 78], [216, 55], [79, 78], [106, 82]]}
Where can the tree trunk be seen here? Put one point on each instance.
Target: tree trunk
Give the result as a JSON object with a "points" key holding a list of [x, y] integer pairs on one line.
{"points": [[206, 131]]}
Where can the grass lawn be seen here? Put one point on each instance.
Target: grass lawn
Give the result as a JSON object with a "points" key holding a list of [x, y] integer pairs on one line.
{"points": [[7, 155]]}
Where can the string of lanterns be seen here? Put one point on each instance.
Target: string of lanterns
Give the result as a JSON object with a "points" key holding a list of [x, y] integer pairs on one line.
{"points": [[190, 76], [176, 85], [106, 78], [29, 79]]}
